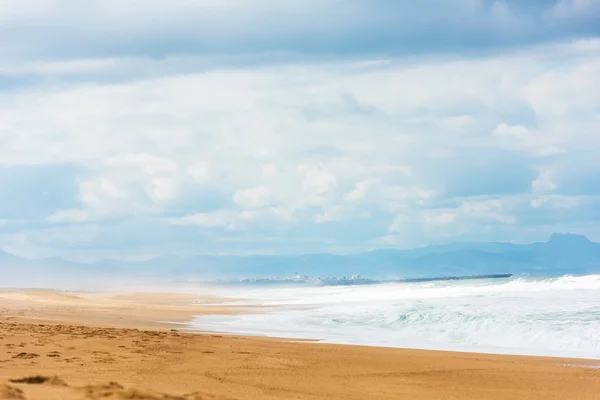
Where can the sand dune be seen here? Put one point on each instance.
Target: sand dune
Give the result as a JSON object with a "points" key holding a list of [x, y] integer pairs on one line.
{"points": [[93, 355]]}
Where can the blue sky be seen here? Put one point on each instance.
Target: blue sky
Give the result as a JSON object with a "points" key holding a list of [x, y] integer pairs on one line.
{"points": [[132, 130]]}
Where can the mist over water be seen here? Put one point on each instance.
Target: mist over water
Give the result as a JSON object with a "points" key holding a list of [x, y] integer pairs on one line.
{"points": [[529, 316]]}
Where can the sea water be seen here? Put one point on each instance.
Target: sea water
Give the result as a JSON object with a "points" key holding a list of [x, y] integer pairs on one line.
{"points": [[557, 316]]}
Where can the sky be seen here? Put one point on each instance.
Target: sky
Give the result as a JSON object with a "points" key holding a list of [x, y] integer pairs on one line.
{"points": [[138, 129]]}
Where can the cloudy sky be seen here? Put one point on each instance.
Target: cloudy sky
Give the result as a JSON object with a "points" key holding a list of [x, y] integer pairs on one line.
{"points": [[133, 129]]}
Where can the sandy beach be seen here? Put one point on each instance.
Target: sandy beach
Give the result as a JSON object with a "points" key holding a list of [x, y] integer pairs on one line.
{"points": [[57, 345]]}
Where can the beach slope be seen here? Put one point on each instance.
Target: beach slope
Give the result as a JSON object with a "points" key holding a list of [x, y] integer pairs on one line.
{"points": [[118, 346]]}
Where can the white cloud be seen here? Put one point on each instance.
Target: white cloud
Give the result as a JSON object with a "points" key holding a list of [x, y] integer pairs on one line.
{"points": [[359, 192], [233, 220], [199, 171], [443, 218], [279, 148], [219, 219], [542, 186], [162, 189], [490, 210], [544, 182], [399, 223], [560, 92], [282, 213], [256, 197], [76, 216], [332, 213], [146, 162], [323, 217], [516, 131], [458, 124], [269, 170], [110, 195], [99, 193], [316, 180]]}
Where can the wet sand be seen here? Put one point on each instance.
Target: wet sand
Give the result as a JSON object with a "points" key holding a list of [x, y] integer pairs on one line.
{"points": [[120, 346]]}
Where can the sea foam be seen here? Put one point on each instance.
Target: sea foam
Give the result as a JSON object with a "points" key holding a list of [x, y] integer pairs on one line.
{"points": [[541, 316]]}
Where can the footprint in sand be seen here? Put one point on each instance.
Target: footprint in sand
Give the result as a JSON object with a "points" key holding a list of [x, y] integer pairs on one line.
{"points": [[26, 356], [40, 380]]}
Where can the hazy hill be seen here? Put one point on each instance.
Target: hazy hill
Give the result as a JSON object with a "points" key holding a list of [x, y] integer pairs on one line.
{"points": [[561, 254]]}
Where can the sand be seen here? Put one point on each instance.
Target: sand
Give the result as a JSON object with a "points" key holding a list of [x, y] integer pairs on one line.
{"points": [[120, 346]]}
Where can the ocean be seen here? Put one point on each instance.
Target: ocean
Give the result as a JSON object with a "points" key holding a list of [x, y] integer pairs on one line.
{"points": [[546, 316]]}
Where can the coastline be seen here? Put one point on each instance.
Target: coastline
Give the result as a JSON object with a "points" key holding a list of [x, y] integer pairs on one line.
{"points": [[90, 339]]}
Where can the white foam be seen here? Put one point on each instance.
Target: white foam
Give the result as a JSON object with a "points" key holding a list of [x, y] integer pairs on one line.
{"points": [[555, 316]]}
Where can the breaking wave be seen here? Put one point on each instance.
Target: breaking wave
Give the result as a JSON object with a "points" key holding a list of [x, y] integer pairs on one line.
{"points": [[557, 316]]}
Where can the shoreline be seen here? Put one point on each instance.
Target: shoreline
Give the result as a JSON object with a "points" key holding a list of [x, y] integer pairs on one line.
{"points": [[183, 306], [89, 340], [588, 362]]}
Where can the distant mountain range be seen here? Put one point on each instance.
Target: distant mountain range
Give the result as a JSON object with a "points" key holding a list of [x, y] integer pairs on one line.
{"points": [[561, 254]]}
